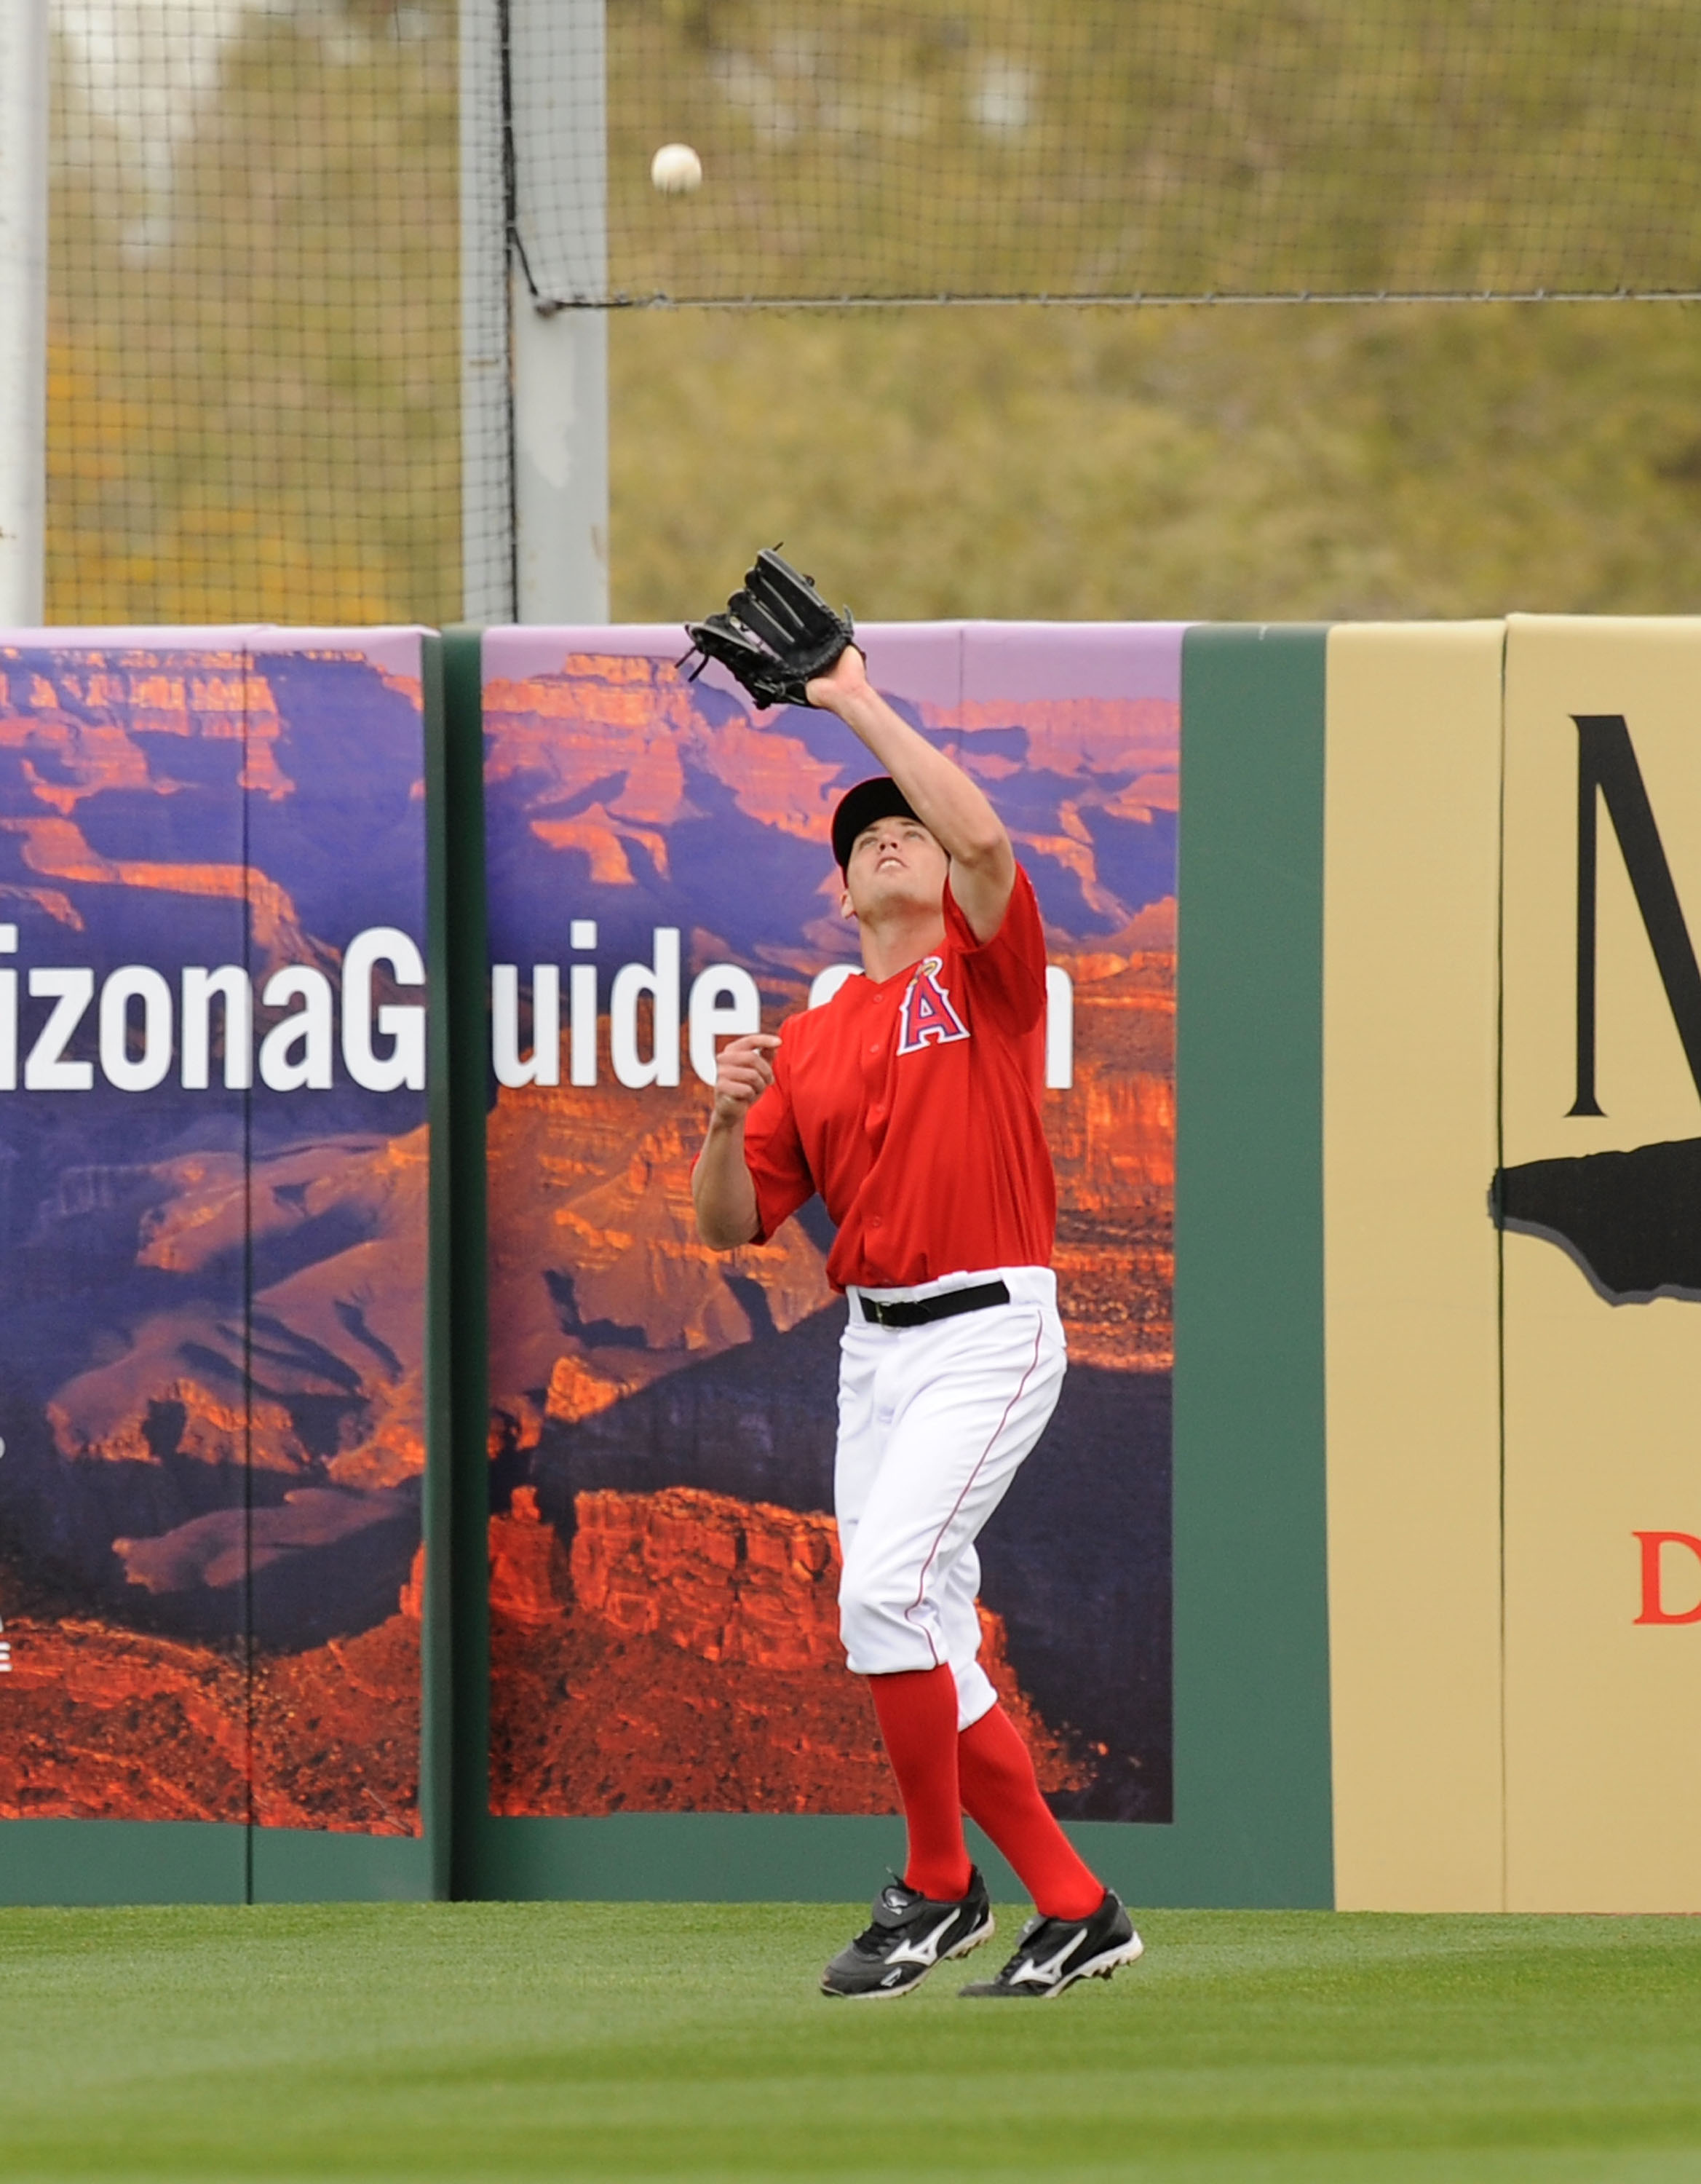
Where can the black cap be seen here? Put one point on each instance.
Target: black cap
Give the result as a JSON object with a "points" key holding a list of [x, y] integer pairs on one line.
{"points": [[879, 798]]}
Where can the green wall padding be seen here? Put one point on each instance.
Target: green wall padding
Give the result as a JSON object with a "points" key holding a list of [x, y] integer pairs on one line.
{"points": [[1251, 1658], [124, 1862]]}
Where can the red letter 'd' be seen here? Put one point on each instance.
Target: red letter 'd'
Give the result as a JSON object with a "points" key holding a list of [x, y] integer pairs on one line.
{"points": [[1652, 1543]]}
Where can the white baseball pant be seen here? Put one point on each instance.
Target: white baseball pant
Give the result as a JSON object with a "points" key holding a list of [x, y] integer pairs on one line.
{"points": [[933, 1423]]}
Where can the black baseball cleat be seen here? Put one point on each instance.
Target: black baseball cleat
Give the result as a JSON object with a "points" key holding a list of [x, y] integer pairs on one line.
{"points": [[1055, 1952], [910, 1934]]}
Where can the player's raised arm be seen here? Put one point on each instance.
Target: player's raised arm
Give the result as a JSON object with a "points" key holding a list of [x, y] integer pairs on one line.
{"points": [[787, 647], [947, 802], [721, 1191]]}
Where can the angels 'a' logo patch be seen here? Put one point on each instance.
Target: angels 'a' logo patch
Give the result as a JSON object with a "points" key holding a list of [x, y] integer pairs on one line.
{"points": [[927, 1017]]}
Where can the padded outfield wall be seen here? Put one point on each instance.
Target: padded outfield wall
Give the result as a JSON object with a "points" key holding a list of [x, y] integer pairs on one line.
{"points": [[667, 1704], [223, 1183], [1363, 1563]]}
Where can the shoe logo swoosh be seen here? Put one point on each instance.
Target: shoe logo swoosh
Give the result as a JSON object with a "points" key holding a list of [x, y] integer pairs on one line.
{"points": [[1051, 1970], [926, 1950]]}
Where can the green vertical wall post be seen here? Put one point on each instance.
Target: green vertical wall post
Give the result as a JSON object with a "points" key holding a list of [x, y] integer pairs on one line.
{"points": [[1252, 1656]]}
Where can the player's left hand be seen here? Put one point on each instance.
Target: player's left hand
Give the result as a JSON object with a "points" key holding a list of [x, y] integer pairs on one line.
{"points": [[848, 674], [775, 635]]}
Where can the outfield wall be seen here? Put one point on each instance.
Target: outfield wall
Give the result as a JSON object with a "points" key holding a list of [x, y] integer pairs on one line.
{"points": [[1358, 1566], [223, 1182], [667, 1710]]}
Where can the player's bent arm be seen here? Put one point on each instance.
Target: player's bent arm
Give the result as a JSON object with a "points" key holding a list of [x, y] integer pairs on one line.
{"points": [[721, 1191], [948, 803]]}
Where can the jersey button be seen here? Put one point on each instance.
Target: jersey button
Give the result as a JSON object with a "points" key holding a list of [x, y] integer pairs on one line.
{"points": [[874, 1221]]}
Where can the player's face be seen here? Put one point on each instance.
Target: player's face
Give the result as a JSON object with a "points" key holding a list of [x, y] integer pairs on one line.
{"points": [[895, 862]]}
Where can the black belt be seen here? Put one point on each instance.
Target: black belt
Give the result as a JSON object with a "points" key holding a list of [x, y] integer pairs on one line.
{"points": [[919, 1312]]}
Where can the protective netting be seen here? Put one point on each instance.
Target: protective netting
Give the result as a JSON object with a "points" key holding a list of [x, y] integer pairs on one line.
{"points": [[282, 384], [254, 350], [1119, 148]]}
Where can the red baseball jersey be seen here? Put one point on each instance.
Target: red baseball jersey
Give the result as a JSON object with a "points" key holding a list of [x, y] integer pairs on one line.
{"points": [[913, 1107]]}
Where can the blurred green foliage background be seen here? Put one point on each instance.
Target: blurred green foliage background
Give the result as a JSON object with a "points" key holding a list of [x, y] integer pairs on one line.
{"points": [[255, 294], [1227, 463]]}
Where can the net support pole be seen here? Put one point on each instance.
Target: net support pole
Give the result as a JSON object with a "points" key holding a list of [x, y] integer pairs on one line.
{"points": [[22, 311], [557, 273], [486, 454]]}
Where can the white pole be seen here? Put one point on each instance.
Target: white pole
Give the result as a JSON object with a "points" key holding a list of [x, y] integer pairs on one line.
{"points": [[486, 473], [22, 311], [557, 77]]}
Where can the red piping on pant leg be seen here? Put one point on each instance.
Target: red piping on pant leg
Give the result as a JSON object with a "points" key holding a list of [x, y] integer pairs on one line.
{"points": [[921, 1587]]}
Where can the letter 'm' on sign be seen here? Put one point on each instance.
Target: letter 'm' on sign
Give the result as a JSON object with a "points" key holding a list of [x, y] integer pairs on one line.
{"points": [[1654, 1547], [1608, 772]]}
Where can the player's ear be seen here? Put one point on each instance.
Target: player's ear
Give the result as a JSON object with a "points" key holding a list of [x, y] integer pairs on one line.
{"points": [[847, 907]]}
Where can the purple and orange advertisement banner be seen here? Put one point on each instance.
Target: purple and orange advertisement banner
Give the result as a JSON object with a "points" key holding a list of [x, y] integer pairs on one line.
{"points": [[663, 1557], [213, 1155]]}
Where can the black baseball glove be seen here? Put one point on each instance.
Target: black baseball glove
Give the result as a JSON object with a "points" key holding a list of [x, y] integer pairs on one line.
{"points": [[775, 635]]}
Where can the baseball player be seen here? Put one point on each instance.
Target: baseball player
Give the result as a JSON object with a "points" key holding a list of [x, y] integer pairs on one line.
{"points": [[911, 1103]]}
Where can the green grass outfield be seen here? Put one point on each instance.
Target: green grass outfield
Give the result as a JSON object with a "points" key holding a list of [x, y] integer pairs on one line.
{"points": [[521, 2040]]}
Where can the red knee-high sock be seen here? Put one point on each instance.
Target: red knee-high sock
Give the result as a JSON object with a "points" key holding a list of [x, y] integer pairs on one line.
{"points": [[918, 1720], [1001, 1794]]}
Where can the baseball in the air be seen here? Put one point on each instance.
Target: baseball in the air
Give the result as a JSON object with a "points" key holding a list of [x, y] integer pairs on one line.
{"points": [[676, 170]]}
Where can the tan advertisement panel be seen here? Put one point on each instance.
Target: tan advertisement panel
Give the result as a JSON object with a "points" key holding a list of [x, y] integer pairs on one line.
{"points": [[1411, 880], [1600, 1192]]}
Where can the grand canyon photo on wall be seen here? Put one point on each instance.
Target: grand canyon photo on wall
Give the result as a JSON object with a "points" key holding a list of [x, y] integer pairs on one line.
{"points": [[213, 1166], [663, 1557]]}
